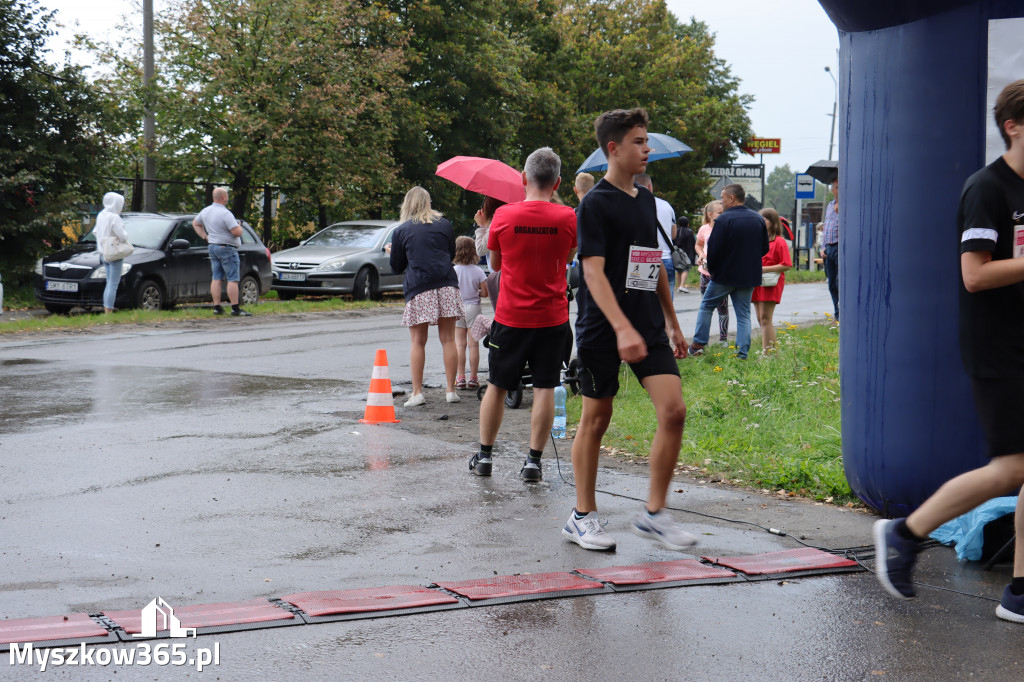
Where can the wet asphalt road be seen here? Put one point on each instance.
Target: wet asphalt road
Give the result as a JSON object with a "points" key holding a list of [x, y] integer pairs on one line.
{"points": [[238, 469]]}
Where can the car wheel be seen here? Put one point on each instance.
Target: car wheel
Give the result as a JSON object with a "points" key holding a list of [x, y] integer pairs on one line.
{"points": [[57, 308], [366, 288], [285, 295], [150, 295], [514, 398], [249, 291]]}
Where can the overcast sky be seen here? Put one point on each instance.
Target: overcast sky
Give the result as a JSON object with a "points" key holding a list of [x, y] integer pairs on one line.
{"points": [[777, 48]]}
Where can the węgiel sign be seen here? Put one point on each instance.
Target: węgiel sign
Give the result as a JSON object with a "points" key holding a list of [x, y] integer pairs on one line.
{"points": [[763, 145]]}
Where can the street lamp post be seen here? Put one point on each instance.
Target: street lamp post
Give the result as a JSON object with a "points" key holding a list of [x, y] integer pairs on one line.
{"points": [[835, 103], [148, 124]]}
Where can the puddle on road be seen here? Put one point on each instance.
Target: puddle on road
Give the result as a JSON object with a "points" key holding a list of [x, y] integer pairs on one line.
{"points": [[31, 397]]}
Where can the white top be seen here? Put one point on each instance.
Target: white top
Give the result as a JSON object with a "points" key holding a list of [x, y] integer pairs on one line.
{"points": [[666, 218], [470, 277], [109, 220]]}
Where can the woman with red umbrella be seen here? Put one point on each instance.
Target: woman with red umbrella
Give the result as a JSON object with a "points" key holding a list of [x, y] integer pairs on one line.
{"points": [[423, 247]]}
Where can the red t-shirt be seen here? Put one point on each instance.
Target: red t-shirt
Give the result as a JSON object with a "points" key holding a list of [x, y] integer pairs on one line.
{"points": [[534, 238], [778, 252]]}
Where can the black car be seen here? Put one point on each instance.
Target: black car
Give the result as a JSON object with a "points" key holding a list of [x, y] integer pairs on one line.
{"points": [[170, 265]]}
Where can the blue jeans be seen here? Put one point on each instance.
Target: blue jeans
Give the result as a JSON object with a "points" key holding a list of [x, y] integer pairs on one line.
{"points": [[713, 297], [670, 268], [113, 271]]}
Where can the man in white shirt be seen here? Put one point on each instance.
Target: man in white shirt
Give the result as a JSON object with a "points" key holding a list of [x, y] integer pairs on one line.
{"points": [[667, 220]]}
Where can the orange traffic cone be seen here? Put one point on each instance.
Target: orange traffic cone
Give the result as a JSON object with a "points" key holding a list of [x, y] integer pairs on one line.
{"points": [[380, 404]]}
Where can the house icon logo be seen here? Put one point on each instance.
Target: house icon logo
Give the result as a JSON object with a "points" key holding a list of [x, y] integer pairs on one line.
{"points": [[159, 615]]}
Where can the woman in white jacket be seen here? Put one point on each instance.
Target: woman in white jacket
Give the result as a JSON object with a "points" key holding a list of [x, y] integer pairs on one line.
{"points": [[109, 222]]}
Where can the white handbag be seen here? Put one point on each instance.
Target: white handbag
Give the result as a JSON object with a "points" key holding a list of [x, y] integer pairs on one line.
{"points": [[769, 279], [112, 248]]}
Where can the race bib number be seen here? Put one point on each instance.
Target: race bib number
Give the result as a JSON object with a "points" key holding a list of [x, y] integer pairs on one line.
{"points": [[1018, 241], [644, 266]]}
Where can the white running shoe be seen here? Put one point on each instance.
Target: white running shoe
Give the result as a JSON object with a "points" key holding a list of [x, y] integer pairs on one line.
{"points": [[416, 400], [665, 529], [452, 397], [587, 532]]}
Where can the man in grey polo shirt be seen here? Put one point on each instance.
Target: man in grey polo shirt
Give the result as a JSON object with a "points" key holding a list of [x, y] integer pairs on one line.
{"points": [[218, 226]]}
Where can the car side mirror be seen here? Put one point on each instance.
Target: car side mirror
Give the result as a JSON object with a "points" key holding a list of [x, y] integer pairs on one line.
{"points": [[180, 244]]}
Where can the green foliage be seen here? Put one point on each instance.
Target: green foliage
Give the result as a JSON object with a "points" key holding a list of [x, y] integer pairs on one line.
{"points": [[772, 421], [780, 190], [49, 142], [347, 103], [290, 93]]}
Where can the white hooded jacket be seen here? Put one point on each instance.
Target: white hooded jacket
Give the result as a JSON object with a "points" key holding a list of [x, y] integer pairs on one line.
{"points": [[109, 220]]}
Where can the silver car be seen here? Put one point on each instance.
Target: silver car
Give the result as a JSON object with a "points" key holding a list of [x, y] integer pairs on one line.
{"points": [[344, 258]]}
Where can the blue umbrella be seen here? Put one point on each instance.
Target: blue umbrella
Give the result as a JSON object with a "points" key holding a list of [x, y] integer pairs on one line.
{"points": [[662, 147]]}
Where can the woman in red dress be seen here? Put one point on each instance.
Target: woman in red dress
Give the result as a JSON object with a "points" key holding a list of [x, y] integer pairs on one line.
{"points": [[776, 260]]}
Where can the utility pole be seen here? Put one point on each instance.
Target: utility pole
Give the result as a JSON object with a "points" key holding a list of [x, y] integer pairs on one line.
{"points": [[148, 125], [832, 137]]}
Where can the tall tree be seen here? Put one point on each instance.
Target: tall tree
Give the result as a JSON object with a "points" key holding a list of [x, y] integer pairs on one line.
{"points": [[627, 53], [50, 147], [780, 190], [292, 93]]}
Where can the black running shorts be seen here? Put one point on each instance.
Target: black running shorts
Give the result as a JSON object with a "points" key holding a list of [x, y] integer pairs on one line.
{"points": [[998, 404], [511, 348], [599, 368]]}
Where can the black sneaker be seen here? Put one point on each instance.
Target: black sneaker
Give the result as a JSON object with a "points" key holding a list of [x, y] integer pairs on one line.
{"points": [[480, 465], [1011, 607], [218, 310], [531, 472], [238, 312], [894, 560]]}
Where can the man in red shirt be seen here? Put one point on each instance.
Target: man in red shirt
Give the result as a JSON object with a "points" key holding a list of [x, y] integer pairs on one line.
{"points": [[530, 243]]}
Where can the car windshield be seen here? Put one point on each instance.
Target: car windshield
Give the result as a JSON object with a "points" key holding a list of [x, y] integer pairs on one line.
{"points": [[143, 231], [347, 236]]}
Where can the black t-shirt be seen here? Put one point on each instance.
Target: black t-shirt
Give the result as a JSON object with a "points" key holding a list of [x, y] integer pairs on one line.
{"points": [[991, 218], [608, 222]]}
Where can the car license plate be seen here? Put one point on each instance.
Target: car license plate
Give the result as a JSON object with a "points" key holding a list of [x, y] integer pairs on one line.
{"points": [[293, 277], [61, 286]]}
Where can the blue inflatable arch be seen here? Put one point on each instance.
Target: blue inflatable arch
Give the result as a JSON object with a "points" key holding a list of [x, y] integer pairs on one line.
{"points": [[913, 119]]}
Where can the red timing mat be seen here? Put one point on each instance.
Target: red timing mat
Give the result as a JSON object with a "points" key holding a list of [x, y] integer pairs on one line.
{"points": [[369, 599], [77, 626], [519, 585], [803, 559], [656, 572], [209, 615]]}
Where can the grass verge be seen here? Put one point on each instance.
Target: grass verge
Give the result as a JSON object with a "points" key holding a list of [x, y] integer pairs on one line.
{"points": [[770, 422], [267, 306]]}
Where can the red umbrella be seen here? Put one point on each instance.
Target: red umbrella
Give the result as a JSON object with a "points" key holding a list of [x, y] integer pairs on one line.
{"points": [[485, 176]]}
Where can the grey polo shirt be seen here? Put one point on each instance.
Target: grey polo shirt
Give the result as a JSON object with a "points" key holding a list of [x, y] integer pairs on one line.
{"points": [[218, 222]]}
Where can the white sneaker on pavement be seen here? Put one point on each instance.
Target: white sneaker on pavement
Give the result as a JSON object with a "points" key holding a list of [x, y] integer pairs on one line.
{"points": [[665, 529], [416, 400], [452, 397], [587, 532]]}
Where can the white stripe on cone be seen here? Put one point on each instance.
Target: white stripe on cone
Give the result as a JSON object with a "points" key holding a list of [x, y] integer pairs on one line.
{"points": [[380, 400], [379, 372]]}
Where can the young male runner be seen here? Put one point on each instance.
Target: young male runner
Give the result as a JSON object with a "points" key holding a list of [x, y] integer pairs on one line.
{"points": [[625, 310], [530, 243], [991, 222]]}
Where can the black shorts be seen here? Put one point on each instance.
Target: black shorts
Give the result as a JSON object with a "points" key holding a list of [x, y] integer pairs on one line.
{"points": [[998, 404], [511, 348], [599, 368]]}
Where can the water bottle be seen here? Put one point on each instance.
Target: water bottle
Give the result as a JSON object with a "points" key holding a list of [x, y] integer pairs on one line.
{"points": [[558, 427]]}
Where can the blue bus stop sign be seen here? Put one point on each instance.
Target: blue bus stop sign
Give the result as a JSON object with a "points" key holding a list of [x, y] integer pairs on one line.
{"points": [[804, 186]]}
